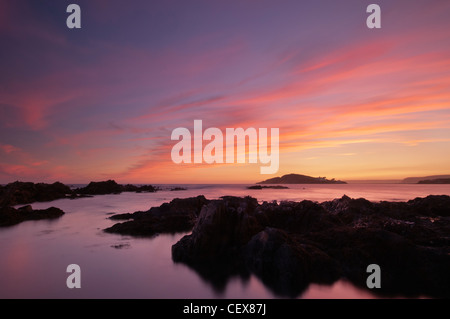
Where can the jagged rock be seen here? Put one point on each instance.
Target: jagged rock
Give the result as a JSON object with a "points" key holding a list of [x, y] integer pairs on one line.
{"points": [[291, 244], [223, 226], [294, 244], [177, 216], [296, 217], [432, 205]]}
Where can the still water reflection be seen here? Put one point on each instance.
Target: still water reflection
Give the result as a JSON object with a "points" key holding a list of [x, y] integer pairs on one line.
{"points": [[35, 254]]}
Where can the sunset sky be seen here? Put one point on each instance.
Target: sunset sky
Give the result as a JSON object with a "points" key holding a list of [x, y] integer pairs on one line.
{"points": [[101, 102]]}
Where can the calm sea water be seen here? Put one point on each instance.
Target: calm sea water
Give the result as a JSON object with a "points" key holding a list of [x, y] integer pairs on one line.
{"points": [[35, 254]]}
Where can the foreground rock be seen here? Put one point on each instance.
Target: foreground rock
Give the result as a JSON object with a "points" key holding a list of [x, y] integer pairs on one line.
{"points": [[290, 245], [11, 216], [177, 216], [18, 193]]}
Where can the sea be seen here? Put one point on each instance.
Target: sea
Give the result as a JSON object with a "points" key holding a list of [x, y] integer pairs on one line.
{"points": [[35, 254]]}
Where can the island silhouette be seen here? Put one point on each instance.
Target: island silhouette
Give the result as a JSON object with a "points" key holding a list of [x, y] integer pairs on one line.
{"points": [[300, 179]]}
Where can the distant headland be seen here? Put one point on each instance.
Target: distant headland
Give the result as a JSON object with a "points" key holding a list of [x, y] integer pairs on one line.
{"points": [[435, 179], [300, 179]]}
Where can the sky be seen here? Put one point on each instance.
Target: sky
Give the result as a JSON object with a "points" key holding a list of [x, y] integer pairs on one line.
{"points": [[101, 102]]}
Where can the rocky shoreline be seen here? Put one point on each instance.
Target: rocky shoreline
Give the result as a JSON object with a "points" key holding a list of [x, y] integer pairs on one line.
{"points": [[289, 245], [19, 193]]}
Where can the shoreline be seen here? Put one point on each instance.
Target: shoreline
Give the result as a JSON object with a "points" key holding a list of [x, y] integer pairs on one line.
{"points": [[336, 236]]}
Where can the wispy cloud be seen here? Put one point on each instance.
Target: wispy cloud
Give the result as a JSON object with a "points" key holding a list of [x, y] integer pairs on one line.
{"points": [[104, 101]]}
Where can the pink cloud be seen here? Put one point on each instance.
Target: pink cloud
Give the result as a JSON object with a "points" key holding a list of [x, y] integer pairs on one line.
{"points": [[8, 149]]}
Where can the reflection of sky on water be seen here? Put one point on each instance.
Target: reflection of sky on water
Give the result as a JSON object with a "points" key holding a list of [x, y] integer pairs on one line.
{"points": [[35, 254]]}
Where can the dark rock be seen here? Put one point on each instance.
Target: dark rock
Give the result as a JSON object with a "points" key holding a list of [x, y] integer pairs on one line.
{"points": [[121, 246], [293, 244], [230, 232], [139, 189], [177, 216], [123, 216], [415, 180], [435, 181], [26, 209], [406, 268], [27, 193], [222, 228], [286, 265], [111, 187], [174, 189], [101, 188], [214, 248], [304, 216], [10, 216], [263, 187], [432, 205], [300, 179], [255, 187]]}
